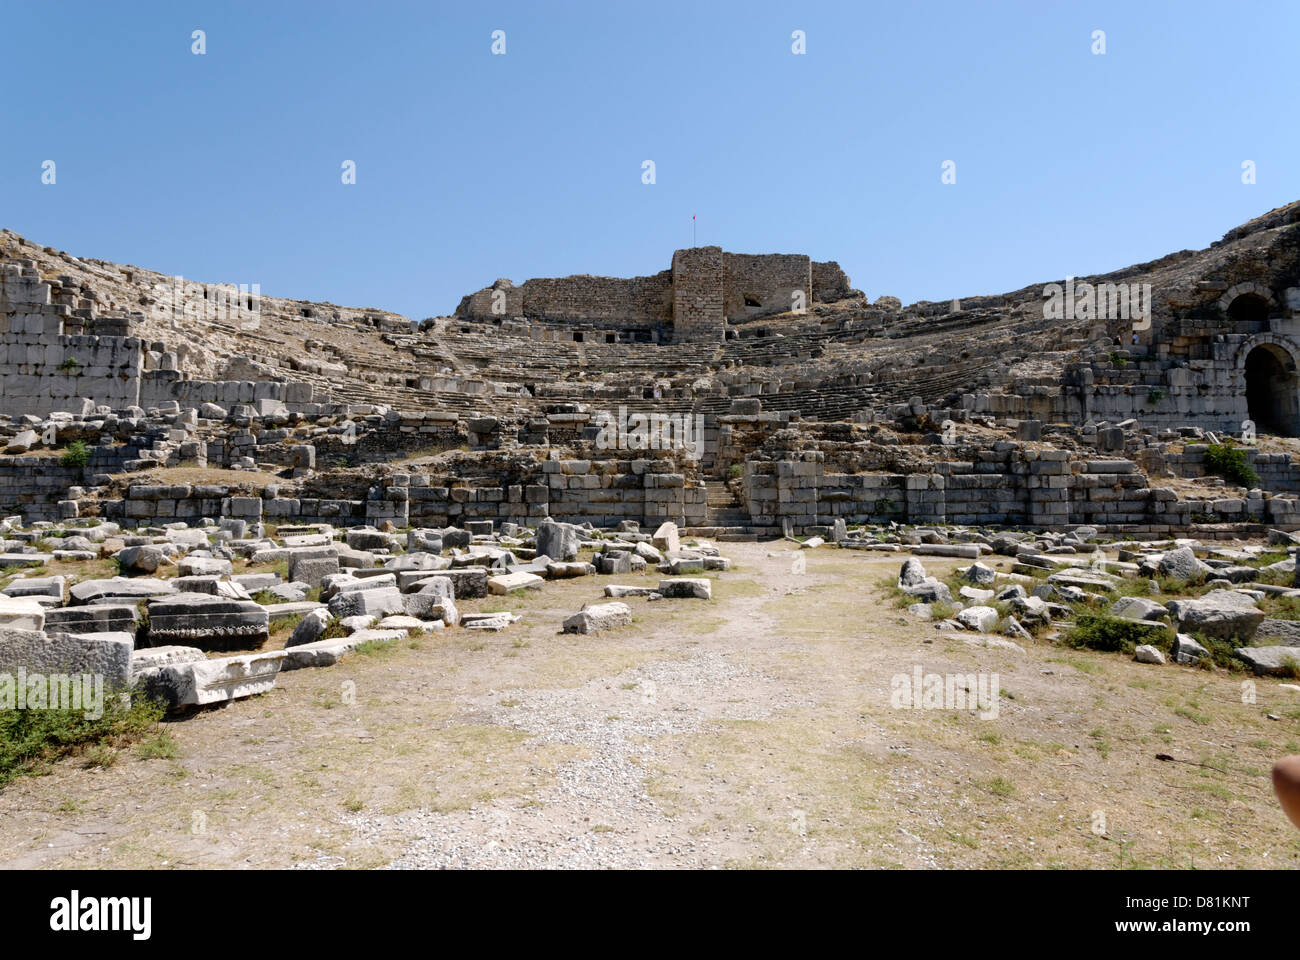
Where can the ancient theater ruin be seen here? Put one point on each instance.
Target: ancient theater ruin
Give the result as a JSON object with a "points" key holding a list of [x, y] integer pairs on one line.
{"points": [[243, 458]]}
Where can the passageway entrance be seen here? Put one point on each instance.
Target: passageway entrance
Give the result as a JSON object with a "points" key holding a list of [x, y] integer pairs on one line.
{"points": [[1271, 391]]}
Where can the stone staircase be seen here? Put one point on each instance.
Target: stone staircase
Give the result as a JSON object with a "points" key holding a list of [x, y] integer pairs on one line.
{"points": [[728, 518]]}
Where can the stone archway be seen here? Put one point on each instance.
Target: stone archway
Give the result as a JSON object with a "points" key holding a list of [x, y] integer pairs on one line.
{"points": [[1272, 389], [1247, 303]]}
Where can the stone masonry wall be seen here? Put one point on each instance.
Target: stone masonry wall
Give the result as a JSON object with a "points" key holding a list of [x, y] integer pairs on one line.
{"points": [[698, 313], [41, 369], [760, 285]]}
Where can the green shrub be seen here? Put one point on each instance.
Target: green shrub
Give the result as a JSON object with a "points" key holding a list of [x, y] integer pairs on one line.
{"points": [[1114, 634], [30, 740], [77, 454], [69, 365], [1230, 463]]}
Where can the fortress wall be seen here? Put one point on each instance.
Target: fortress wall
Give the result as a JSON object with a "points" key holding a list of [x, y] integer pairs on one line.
{"points": [[698, 313], [641, 300], [758, 285], [829, 282]]}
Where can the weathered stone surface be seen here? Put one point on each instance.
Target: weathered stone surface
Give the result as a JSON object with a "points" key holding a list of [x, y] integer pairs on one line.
{"points": [[619, 561], [1139, 608], [687, 588], [666, 538], [912, 573], [982, 619], [105, 654], [21, 613], [214, 681], [208, 622], [1283, 633], [312, 570], [1225, 614], [559, 541], [514, 581], [321, 653], [599, 616], [379, 602], [488, 621], [128, 588], [619, 590], [565, 571], [1274, 661], [204, 567], [1185, 649], [469, 583], [979, 574], [93, 618], [309, 628], [432, 605], [50, 588], [150, 658], [1145, 653], [142, 559], [1182, 564]]}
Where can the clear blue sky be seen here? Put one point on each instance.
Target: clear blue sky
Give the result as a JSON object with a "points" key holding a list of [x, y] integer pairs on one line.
{"points": [[226, 166]]}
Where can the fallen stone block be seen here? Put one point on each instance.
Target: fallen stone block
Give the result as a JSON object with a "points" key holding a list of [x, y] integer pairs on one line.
{"points": [[619, 590], [21, 613], [666, 538], [687, 588], [564, 571], [312, 570], [101, 654], [309, 628], [981, 619], [204, 567], [488, 621], [208, 622], [502, 585], [213, 681], [598, 616], [141, 559], [1185, 649], [119, 588], [1145, 653], [1271, 661], [320, 653], [1225, 614], [559, 541], [370, 603], [93, 618], [151, 658]]}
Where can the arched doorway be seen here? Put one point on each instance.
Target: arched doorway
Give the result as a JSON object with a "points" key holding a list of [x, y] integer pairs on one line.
{"points": [[1271, 390], [1248, 308]]}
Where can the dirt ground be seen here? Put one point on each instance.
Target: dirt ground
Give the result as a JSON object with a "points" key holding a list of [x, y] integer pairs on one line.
{"points": [[753, 730]]}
